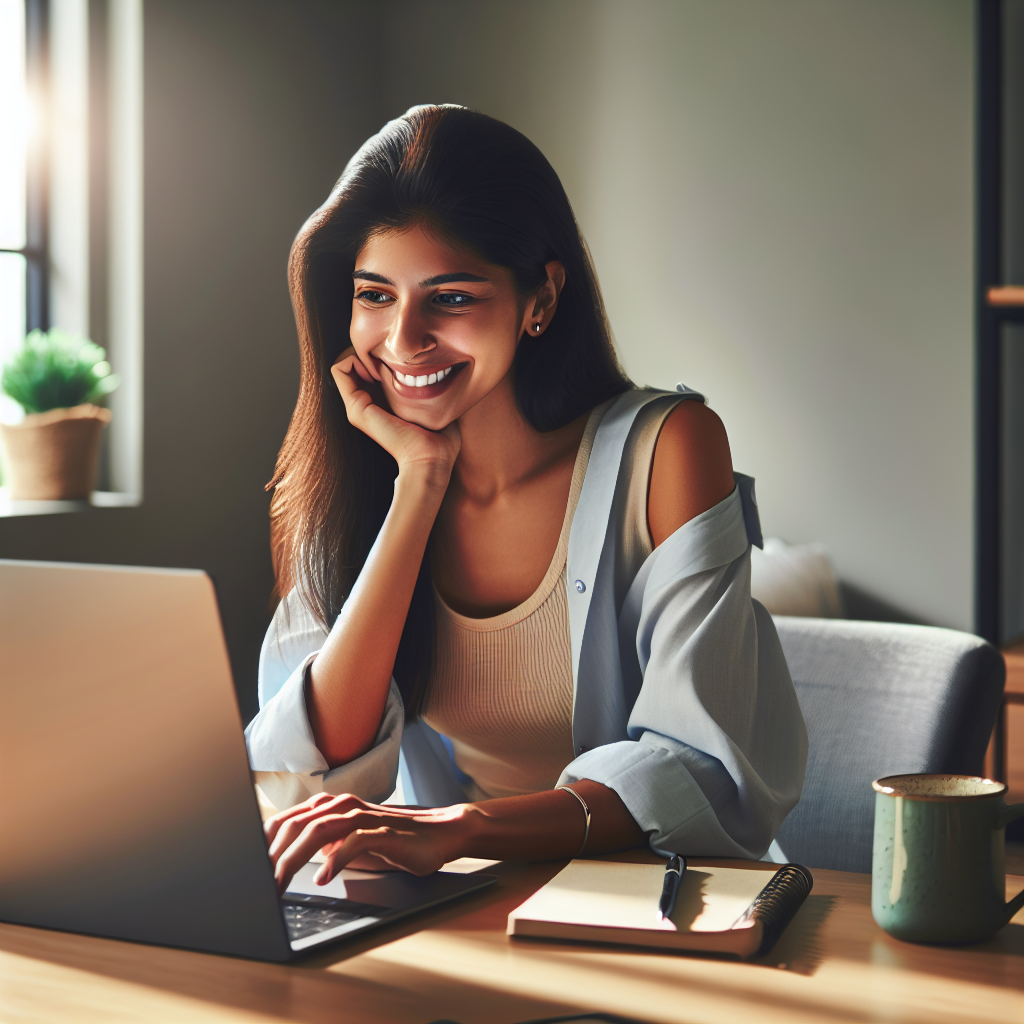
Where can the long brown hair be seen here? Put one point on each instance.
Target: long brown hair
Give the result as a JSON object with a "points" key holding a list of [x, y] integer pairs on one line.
{"points": [[487, 188]]}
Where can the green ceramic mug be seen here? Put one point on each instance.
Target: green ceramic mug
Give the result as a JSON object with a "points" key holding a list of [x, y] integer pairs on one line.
{"points": [[938, 873]]}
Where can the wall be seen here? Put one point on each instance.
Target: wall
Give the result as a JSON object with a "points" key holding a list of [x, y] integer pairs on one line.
{"points": [[778, 197]]}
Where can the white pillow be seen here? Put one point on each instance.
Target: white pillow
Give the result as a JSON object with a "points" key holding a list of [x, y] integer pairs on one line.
{"points": [[795, 579]]}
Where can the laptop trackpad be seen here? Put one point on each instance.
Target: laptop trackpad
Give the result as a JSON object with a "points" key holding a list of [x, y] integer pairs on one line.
{"points": [[397, 890], [346, 885]]}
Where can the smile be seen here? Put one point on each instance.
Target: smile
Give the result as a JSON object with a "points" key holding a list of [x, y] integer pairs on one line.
{"points": [[424, 386], [422, 380]]}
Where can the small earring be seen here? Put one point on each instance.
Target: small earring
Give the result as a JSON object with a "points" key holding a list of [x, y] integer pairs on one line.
{"points": [[536, 327]]}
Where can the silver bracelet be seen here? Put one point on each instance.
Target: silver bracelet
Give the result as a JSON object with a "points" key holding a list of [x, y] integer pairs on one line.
{"points": [[586, 811]]}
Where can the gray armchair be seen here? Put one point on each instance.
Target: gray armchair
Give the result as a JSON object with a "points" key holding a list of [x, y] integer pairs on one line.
{"points": [[879, 699]]}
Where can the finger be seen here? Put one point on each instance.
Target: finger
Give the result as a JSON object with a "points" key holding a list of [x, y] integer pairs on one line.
{"points": [[353, 363], [416, 851], [324, 831], [351, 376], [352, 368], [390, 432], [292, 829], [364, 372], [272, 825], [304, 835], [289, 830], [363, 413], [397, 847], [346, 379]]}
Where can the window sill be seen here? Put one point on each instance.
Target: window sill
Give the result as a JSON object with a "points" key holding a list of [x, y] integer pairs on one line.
{"points": [[99, 499]]}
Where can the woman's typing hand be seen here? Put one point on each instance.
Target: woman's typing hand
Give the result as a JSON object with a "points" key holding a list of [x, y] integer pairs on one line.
{"points": [[410, 445], [370, 837], [374, 837]]}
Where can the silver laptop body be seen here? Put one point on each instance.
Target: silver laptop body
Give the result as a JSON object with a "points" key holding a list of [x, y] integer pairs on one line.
{"points": [[126, 805]]}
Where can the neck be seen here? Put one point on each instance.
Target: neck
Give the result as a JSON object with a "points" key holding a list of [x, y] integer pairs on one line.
{"points": [[501, 450]]}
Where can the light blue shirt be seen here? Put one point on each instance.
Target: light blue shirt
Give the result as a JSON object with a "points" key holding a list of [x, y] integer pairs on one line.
{"points": [[682, 700]]}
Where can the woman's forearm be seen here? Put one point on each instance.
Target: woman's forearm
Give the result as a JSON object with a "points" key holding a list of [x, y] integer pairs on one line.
{"points": [[350, 677], [541, 826], [549, 825]]}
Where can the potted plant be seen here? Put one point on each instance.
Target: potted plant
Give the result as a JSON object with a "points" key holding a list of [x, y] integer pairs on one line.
{"points": [[59, 380]]}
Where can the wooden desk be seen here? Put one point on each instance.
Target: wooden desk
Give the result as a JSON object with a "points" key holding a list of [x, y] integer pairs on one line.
{"points": [[832, 964]]}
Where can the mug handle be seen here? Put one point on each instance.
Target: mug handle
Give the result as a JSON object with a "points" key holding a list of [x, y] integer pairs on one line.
{"points": [[1008, 814], [1003, 818]]}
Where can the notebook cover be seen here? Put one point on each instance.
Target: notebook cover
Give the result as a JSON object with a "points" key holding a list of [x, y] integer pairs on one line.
{"points": [[728, 910]]}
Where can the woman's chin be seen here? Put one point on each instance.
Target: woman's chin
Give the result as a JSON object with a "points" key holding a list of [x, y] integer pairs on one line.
{"points": [[430, 412], [429, 419]]}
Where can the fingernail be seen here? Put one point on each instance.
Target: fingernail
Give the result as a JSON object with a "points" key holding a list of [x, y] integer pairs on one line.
{"points": [[322, 877]]}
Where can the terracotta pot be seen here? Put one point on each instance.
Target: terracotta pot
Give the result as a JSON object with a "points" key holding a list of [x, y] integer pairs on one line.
{"points": [[54, 455]]}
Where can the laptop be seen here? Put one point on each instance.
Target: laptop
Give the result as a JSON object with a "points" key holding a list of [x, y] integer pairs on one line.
{"points": [[127, 808]]}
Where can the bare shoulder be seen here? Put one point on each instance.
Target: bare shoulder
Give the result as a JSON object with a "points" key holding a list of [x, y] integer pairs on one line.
{"points": [[692, 469]]}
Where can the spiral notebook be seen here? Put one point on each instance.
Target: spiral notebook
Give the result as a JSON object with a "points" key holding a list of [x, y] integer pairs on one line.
{"points": [[735, 911]]}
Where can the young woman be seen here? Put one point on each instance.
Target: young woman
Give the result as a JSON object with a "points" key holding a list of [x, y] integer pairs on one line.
{"points": [[505, 569]]}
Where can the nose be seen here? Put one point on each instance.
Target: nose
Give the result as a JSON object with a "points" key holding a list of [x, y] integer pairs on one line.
{"points": [[408, 336]]}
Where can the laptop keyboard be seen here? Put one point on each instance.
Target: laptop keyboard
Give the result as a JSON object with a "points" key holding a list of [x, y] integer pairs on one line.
{"points": [[310, 915]]}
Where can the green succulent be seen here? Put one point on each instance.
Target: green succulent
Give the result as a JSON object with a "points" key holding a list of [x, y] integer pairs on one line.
{"points": [[54, 370]]}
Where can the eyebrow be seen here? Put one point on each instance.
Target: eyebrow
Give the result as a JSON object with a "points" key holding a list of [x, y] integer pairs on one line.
{"points": [[430, 282], [451, 279], [367, 275]]}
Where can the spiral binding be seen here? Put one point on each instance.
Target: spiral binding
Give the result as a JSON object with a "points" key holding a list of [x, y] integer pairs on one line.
{"points": [[778, 902]]}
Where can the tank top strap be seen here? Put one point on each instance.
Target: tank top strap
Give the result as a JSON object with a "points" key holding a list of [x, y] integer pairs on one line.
{"points": [[594, 508]]}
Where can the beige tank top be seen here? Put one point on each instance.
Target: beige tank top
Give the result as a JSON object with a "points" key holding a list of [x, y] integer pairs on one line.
{"points": [[502, 690]]}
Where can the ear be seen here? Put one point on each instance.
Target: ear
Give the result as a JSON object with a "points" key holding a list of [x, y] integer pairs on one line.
{"points": [[541, 308]]}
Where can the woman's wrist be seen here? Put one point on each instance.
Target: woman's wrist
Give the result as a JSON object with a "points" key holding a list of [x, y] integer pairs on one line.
{"points": [[548, 825], [474, 830], [427, 480], [532, 827]]}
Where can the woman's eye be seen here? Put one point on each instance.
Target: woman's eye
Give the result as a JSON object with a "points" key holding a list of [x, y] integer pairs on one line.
{"points": [[451, 299], [377, 298]]}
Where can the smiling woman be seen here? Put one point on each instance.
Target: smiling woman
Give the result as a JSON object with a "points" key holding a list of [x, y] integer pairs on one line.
{"points": [[418, 336], [503, 569]]}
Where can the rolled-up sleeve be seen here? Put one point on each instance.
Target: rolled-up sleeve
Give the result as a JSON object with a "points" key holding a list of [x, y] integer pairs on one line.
{"points": [[283, 753], [717, 747]]}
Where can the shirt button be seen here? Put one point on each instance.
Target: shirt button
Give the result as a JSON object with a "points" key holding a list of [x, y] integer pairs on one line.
{"points": [[581, 586]]}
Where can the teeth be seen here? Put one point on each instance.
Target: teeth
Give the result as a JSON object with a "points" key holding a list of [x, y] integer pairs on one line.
{"points": [[411, 381]]}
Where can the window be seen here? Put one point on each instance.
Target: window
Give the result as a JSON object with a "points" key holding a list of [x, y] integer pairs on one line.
{"points": [[71, 197], [15, 126]]}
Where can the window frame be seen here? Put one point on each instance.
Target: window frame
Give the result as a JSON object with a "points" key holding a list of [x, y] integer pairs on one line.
{"points": [[115, 213], [36, 250]]}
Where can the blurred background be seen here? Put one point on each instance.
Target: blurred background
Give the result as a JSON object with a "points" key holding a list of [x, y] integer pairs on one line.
{"points": [[780, 197]]}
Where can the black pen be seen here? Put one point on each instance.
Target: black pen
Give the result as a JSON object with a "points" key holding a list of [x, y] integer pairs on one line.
{"points": [[670, 890]]}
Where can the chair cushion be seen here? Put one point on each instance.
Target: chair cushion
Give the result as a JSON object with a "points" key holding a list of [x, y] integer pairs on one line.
{"points": [[879, 699]]}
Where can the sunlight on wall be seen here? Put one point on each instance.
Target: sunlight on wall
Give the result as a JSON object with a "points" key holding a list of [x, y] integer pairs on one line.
{"points": [[14, 129], [69, 166], [125, 240]]}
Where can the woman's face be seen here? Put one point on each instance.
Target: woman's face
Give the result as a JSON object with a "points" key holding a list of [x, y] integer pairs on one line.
{"points": [[436, 326]]}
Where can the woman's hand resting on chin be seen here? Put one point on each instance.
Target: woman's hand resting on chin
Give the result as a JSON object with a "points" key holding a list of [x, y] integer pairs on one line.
{"points": [[370, 837], [350, 678], [410, 445]]}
